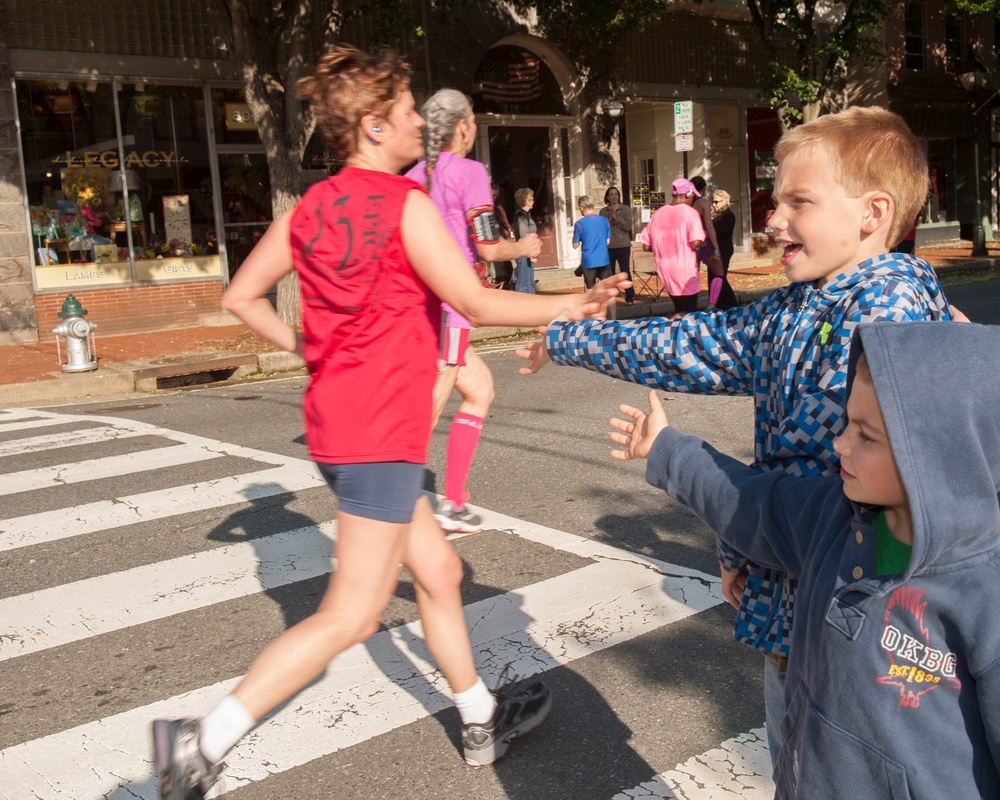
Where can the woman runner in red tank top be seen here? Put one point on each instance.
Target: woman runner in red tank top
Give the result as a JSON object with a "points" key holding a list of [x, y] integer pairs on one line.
{"points": [[374, 261]]}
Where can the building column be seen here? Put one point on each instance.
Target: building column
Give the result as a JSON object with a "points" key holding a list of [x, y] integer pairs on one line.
{"points": [[18, 321]]}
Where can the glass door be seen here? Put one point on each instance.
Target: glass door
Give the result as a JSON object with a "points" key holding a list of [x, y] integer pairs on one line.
{"points": [[246, 203], [521, 157]]}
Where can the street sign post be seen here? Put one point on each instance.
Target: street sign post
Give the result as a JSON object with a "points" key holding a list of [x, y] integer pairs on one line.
{"points": [[684, 129], [683, 117]]}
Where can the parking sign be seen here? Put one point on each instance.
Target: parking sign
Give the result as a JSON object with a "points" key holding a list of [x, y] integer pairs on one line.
{"points": [[683, 117]]}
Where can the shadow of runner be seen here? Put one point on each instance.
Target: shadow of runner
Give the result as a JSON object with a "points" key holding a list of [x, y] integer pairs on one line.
{"points": [[276, 560], [564, 753]]}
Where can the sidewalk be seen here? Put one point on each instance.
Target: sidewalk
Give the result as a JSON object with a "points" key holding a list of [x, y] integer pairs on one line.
{"points": [[189, 356]]}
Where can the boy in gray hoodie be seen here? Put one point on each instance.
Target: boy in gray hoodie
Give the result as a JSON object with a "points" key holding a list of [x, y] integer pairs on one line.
{"points": [[895, 690]]}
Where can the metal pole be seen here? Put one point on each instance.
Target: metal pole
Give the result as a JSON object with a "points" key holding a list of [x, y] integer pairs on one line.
{"points": [[978, 235]]}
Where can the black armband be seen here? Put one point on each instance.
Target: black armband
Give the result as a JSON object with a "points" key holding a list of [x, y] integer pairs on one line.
{"points": [[483, 226]]}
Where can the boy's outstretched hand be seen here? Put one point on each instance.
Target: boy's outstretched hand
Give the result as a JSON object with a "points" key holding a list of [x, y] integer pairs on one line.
{"points": [[535, 353], [591, 305], [638, 433]]}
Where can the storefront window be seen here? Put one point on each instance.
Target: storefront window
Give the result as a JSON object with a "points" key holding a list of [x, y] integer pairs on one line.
{"points": [[105, 211], [246, 203], [68, 132], [169, 181]]}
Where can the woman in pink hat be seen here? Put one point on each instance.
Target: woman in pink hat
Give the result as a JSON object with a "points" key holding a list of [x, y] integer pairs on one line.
{"points": [[674, 234]]}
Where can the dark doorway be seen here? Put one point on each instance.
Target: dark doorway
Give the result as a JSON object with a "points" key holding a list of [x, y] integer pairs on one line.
{"points": [[521, 157]]}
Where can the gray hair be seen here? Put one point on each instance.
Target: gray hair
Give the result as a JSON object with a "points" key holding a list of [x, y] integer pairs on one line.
{"points": [[585, 201], [443, 110]]}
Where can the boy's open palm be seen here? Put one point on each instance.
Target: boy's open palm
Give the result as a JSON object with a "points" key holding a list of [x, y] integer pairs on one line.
{"points": [[639, 431], [535, 353]]}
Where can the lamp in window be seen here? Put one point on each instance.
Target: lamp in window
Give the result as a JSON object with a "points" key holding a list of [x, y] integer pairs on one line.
{"points": [[62, 103], [122, 179], [128, 179]]}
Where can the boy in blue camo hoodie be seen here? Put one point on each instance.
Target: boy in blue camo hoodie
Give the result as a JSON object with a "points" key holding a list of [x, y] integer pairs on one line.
{"points": [[848, 186]]}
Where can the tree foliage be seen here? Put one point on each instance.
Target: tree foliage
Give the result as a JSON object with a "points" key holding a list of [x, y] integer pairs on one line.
{"points": [[974, 6], [808, 45], [583, 26]]}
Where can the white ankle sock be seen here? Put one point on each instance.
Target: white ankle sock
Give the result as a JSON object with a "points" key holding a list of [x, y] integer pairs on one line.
{"points": [[222, 727], [475, 705]]}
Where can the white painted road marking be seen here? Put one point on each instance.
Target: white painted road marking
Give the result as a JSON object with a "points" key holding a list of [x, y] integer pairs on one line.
{"points": [[286, 475], [110, 467], [370, 690], [53, 441], [735, 770], [33, 622], [50, 526]]}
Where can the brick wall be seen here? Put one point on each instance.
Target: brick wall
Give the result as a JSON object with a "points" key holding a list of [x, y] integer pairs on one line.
{"points": [[134, 309]]}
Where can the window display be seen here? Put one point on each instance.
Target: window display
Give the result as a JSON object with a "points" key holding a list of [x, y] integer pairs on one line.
{"points": [[100, 205]]}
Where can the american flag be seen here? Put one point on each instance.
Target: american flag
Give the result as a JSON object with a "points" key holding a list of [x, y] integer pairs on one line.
{"points": [[510, 80]]}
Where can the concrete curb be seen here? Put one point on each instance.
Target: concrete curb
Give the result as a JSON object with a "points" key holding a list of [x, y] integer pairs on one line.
{"points": [[114, 379], [279, 361]]}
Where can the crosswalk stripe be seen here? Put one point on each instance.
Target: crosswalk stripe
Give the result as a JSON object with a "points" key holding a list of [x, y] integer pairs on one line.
{"points": [[108, 467], [50, 526], [389, 681], [9, 424], [70, 612], [10, 417], [33, 622], [37, 444], [735, 770]]}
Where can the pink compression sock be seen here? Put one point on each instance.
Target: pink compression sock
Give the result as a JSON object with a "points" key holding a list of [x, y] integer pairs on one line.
{"points": [[714, 291], [463, 439]]}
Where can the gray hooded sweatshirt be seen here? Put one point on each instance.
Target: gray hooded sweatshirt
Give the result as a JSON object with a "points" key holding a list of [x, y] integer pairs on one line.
{"points": [[893, 690]]}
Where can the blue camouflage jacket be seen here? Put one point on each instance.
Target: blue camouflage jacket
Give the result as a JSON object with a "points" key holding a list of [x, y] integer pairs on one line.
{"points": [[789, 351]]}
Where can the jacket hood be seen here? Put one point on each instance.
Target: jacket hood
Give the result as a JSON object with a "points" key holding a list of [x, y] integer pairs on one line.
{"points": [[938, 387]]}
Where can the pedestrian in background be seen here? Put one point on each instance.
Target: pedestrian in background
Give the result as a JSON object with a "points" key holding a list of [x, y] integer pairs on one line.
{"points": [[524, 225], [591, 235], [620, 247], [708, 253], [725, 225], [370, 338], [501, 273]]}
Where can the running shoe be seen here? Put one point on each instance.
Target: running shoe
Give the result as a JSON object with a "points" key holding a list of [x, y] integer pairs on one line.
{"points": [[185, 774], [516, 714], [457, 520]]}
